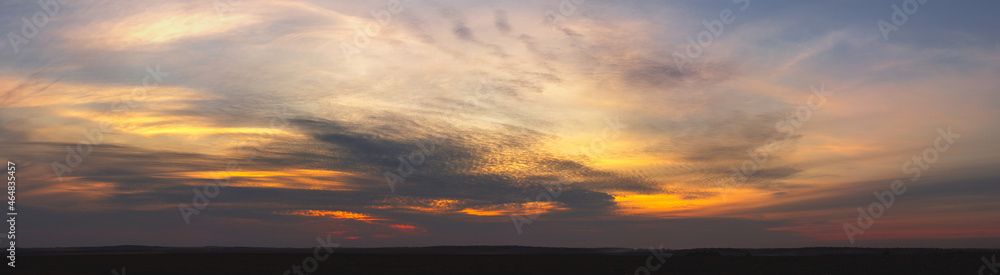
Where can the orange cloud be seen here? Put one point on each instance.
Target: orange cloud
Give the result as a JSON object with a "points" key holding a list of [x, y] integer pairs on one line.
{"points": [[289, 178], [333, 214], [508, 209]]}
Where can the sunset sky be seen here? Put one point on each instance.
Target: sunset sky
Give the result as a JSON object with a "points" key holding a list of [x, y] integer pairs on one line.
{"points": [[310, 107]]}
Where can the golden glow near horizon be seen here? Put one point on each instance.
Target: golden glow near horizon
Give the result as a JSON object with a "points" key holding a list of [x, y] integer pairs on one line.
{"points": [[659, 204], [289, 178], [506, 210], [333, 214]]}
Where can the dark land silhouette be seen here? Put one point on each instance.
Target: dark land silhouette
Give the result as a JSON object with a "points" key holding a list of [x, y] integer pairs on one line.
{"points": [[143, 260]]}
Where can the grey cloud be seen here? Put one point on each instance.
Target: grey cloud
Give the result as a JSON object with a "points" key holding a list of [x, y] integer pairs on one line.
{"points": [[500, 18], [463, 32]]}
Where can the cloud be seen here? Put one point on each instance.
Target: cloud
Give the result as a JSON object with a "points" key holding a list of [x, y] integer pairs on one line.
{"points": [[501, 21], [510, 103]]}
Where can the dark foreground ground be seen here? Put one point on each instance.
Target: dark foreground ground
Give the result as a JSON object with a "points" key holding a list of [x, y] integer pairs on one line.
{"points": [[230, 262]]}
